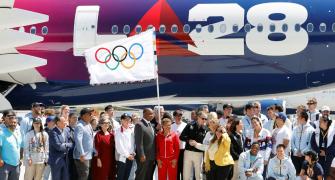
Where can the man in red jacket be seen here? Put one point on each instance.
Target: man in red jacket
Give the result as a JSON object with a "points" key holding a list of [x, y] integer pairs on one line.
{"points": [[167, 151]]}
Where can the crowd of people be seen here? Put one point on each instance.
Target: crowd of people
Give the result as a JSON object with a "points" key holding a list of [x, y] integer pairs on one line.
{"points": [[211, 145]]}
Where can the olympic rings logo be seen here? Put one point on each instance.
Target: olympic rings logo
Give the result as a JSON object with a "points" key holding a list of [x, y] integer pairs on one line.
{"points": [[119, 55]]}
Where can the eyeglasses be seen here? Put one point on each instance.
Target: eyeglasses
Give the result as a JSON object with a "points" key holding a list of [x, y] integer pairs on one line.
{"points": [[310, 104]]}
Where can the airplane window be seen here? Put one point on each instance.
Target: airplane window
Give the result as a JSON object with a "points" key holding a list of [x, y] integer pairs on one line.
{"points": [[297, 27], [138, 29], [235, 28], [247, 28], [210, 28], [186, 28], [323, 27], [150, 26], [333, 27], [310, 27], [44, 30], [223, 28], [198, 28], [259, 27], [272, 28], [33, 30], [126, 29], [284, 27], [162, 29], [115, 29], [174, 28]]}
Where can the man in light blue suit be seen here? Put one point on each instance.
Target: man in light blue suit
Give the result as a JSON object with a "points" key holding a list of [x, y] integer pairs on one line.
{"points": [[59, 145], [83, 135]]}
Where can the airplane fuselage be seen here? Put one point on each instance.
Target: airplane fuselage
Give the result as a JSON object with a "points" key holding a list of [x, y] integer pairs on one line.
{"points": [[205, 49]]}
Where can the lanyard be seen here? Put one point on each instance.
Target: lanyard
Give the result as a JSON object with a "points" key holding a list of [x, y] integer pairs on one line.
{"points": [[280, 167], [253, 163], [302, 130]]}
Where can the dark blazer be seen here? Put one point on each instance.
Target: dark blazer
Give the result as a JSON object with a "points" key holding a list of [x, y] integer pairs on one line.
{"points": [[58, 147], [145, 140], [236, 147]]}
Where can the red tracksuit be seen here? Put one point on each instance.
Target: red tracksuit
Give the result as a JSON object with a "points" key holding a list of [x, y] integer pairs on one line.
{"points": [[167, 149]]}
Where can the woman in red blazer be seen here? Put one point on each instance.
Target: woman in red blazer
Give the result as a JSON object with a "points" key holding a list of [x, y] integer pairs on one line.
{"points": [[167, 151]]}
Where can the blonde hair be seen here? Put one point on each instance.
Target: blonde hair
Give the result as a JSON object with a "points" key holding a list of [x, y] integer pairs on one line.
{"points": [[61, 109], [212, 116]]}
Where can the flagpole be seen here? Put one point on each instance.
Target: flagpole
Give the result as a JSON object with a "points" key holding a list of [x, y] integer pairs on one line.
{"points": [[158, 100], [157, 79]]}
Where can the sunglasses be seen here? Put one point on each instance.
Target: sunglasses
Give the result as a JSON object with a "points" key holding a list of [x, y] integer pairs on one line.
{"points": [[204, 119]]}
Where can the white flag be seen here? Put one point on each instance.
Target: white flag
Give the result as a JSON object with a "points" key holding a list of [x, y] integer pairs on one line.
{"points": [[125, 60]]}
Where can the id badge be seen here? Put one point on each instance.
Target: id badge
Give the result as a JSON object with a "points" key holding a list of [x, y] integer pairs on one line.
{"points": [[323, 145]]}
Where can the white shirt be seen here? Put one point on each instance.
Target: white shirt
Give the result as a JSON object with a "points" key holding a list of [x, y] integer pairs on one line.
{"points": [[223, 121], [278, 136], [124, 143], [34, 149], [333, 163], [205, 143], [314, 116], [178, 129], [212, 150]]}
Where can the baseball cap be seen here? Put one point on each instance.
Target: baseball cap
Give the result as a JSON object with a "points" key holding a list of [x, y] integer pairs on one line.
{"points": [[37, 120], [35, 104], [85, 111], [8, 113], [281, 115], [312, 101], [125, 115], [228, 106], [325, 108], [50, 118]]}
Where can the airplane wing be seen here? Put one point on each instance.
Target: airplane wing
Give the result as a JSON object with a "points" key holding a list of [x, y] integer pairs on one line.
{"points": [[11, 38], [13, 17], [12, 62], [17, 68], [28, 76]]}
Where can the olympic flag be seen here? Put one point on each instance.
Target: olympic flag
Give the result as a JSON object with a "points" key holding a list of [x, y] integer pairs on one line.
{"points": [[125, 60]]}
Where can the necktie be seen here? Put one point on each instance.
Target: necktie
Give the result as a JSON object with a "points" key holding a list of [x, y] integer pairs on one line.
{"points": [[152, 130]]}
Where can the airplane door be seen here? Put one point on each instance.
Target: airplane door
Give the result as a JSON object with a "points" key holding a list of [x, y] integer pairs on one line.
{"points": [[85, 28]]}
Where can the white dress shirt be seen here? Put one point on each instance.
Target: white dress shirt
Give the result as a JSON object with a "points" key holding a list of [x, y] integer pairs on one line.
{"points": [[178, 128], [124, 143]]}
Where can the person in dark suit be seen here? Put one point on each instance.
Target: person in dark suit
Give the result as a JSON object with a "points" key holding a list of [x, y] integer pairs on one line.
{"points": [[145, 146], [237, 146], [59, 145]]}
